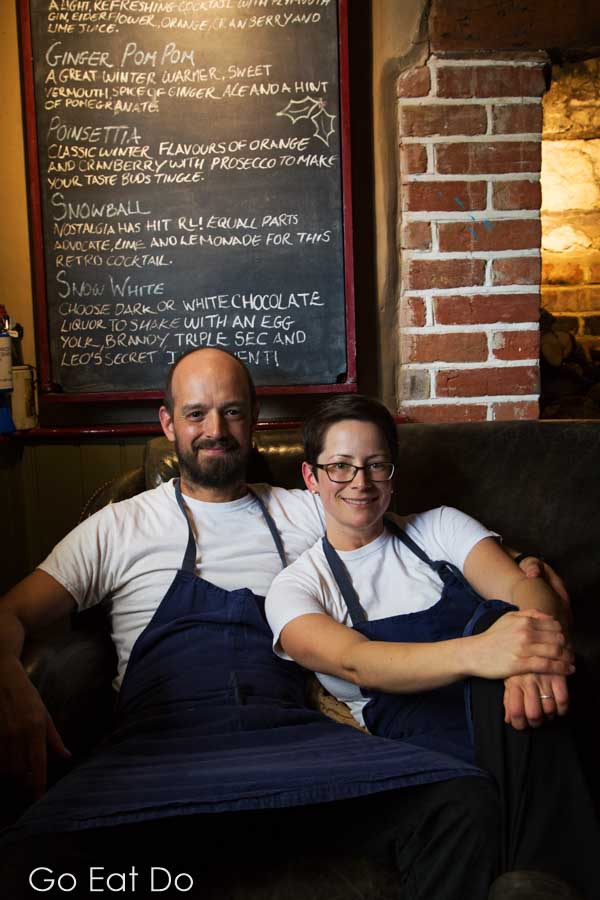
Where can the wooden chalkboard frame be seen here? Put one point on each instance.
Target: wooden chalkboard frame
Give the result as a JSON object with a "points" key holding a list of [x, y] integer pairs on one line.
{"points": [[49, 391]]}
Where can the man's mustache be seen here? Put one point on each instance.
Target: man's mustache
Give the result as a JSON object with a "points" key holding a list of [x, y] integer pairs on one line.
{"points": [[226, 443]]}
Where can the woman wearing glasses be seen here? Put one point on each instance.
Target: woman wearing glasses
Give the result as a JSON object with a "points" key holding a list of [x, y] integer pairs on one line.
{"points": [[413, 621]]}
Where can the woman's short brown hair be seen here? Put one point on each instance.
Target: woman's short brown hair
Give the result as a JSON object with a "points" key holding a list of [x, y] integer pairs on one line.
{"points": [[342, 407]]}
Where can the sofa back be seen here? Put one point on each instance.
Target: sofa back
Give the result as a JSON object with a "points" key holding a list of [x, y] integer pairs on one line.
{"points": [[536, 483]]}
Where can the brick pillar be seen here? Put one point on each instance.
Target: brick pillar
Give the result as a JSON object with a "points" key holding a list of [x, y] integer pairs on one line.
{"points": [[470, 133]]}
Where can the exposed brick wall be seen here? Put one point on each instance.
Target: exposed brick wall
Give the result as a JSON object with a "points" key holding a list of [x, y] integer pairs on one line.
{"points": [[470, 151], [571, 201]]}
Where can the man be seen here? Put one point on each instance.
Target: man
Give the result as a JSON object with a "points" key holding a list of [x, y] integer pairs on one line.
{"points": [[208, 719]]}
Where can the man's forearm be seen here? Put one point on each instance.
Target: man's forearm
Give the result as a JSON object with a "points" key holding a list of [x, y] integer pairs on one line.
{"points": [[12, 636]]}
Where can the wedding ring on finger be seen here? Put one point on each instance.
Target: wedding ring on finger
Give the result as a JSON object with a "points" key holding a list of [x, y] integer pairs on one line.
{"points": [[546, 696]]}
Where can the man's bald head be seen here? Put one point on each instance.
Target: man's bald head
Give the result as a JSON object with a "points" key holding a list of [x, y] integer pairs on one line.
{"points": [[209, 412], [212, 359]]}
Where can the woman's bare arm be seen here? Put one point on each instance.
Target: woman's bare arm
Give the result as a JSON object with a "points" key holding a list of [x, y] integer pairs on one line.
{"points": [[518, 643]]}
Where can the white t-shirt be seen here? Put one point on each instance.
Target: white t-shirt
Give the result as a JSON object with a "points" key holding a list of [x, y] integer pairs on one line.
{"points": [[129, 552], [388, 578]]}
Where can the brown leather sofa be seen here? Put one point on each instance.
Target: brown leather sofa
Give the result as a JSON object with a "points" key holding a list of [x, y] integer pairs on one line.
{"points": [[536, 483]]}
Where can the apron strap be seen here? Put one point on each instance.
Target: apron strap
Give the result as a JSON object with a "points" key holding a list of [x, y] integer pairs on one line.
{"points": [[444, 569], [272, 527], [339, 572], [441, 567], [189, 559]]}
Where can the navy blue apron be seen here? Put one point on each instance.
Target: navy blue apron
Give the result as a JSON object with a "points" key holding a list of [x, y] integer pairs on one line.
{"points": [[209, 719], [438, 719]]}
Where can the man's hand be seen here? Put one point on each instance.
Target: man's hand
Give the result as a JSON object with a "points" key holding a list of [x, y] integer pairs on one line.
{"points": [[26, 730], [531, 699], [534, 567]]}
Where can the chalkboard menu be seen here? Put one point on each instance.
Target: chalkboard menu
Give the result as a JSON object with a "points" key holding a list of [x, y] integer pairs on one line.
{"points": [[189, 189]]}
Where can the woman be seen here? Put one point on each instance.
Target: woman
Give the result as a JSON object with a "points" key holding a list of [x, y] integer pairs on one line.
{"points": [[403, 617]]}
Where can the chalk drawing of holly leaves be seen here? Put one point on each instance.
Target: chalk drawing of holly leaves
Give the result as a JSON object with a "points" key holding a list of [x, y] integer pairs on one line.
{"points": [[312, 108]]}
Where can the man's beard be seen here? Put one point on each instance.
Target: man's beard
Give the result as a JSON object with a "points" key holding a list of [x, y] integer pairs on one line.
{"points": [[220, 471]]}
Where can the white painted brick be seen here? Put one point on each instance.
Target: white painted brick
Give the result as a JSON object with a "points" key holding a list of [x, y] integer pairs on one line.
{"points": [[439, 365], [489, 327], [437, 62], [491, 176], [477, 289], [467, 101], [533, 138], [431, 162], [470, 254], [476, 215], [434, 79], [463, 401], [429, 317]]}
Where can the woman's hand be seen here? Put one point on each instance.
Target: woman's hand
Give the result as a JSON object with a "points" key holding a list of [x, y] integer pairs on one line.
{"points": [[521, 643], [531, 699]]}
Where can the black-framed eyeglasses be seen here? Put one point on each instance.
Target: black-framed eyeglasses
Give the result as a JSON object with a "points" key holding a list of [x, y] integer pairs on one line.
{"points": [[343, 473]]}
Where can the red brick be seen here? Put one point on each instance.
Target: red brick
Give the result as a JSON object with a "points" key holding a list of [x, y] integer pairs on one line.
{"points": [[517, 195], [562, 272], [516, 345], [491, 81], [592, 298], [414, 83], [526, 409], [412, 312], [594, 273], [511, 234], [485, 309], [517, 118], [423, 274], [484, 382], [454, 347], [560, 301], [413, 159], [416, 121], [468, 26], [424, 196], [416, 236], [474, 158], [591, 273], [570, 300], [516, 270], [447, 412], [551, 300]]}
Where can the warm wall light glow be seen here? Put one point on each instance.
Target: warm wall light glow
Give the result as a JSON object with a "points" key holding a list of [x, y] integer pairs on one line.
{"points": [[571, 174], [570, 180], [565, 237]]}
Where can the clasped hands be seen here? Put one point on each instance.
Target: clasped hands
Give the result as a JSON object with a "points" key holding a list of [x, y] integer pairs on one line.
{"points": [[530, 699], [531, 651]]}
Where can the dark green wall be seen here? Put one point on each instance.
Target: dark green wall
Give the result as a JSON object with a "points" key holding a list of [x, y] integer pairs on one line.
{"points": [[43, 488]]}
